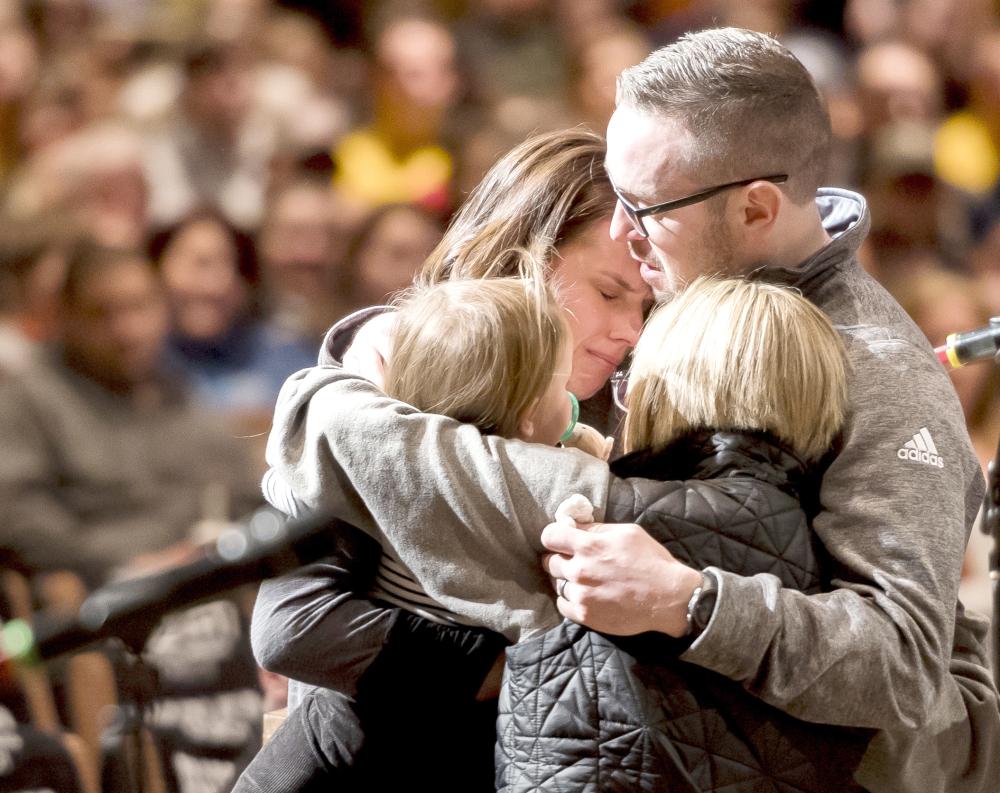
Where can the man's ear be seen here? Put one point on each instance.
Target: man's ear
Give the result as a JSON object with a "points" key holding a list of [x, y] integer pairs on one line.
{"points": [[761, 206]]}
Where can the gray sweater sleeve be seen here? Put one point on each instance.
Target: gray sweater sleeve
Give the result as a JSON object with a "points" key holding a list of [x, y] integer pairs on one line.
{"points": [[875, 651], [464, 511]]}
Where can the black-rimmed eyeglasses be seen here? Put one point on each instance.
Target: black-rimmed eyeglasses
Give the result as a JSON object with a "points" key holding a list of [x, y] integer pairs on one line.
{"points": [[635, 214]]}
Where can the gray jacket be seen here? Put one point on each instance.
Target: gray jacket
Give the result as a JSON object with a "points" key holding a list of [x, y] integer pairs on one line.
{"points": [[890, 648]]}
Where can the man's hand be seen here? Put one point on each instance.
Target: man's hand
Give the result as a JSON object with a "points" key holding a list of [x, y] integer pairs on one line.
{"points": [[370, 350], [619, 579]]}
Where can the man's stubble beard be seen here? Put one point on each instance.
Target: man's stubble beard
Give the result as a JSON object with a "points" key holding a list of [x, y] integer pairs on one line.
{"points": [[717, 252]]}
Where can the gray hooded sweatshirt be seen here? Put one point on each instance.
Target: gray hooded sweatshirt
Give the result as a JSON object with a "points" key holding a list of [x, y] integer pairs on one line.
{"points": [[890, 648]]}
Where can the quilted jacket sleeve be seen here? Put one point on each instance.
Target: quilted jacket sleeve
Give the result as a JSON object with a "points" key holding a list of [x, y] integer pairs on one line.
{"points": [[740, 524]]}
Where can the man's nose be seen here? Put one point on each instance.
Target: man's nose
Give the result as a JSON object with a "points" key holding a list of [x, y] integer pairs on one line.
{"points": [[622, 229]]}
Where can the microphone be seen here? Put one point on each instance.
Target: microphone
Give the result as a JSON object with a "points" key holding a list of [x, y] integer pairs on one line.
{"points": [[975, 345], [268, 545]]}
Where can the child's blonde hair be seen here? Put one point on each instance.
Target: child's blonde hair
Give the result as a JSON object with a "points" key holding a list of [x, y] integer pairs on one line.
{"points": [[733, 354], [478, 350]]}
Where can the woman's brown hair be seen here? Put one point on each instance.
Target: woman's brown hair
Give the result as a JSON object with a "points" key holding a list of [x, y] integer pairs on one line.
{"points": [[540, 195]]}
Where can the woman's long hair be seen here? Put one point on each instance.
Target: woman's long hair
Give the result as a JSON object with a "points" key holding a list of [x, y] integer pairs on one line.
{"points": [[540, 195]]}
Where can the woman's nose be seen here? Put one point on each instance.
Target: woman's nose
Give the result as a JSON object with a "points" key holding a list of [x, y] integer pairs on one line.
{"points": [[628, 327]]}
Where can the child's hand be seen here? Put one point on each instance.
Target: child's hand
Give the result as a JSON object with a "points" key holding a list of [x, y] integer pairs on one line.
{"points": [[589, 440], [369, 352], [575, 511]]}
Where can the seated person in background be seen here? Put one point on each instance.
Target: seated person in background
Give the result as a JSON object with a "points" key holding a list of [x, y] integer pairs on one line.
{"points": [[728, 443], [105, 461], [104, 472], [236, 362]]}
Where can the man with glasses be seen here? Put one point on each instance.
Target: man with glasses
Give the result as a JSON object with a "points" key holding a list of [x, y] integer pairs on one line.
{"points": [[717, 149]]}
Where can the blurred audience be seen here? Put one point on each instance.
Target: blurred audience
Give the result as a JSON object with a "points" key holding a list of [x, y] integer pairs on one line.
{"points": [[302, 244], [512, 48], [105, 460], [32, 267], [913, 210], [235, 363], [968, 152], [595, 65], [402, 155], [387, 251], [94, 178], [213, 149], [107, 472], [897, 82]]}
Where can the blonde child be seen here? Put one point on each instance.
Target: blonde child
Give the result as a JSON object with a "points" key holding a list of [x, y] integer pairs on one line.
{"points": [[494, 353]]}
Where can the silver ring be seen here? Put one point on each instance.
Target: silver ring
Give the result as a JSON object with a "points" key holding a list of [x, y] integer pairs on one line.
{"points": [[561, 590]]}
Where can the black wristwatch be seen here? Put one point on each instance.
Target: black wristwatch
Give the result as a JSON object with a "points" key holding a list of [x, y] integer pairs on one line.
{"points": [[702, 604]]}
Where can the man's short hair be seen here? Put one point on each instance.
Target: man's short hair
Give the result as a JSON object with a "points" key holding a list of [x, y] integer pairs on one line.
{"points": [[749, 105]]}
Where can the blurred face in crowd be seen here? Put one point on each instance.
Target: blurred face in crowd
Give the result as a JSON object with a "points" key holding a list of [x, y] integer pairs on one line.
{"points": [[643, 156], [206, 292], [116, 324], [393, 252], [605, 299], [417, 71], [218, 98], [897, 82], [299, 248], [602, 59], [113, 205]]}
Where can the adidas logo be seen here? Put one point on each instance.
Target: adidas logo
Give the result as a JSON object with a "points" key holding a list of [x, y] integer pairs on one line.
{"points": [[921, 450]]}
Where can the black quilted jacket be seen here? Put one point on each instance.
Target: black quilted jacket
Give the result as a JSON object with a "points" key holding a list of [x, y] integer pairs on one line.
{"points": [[581, 711]]}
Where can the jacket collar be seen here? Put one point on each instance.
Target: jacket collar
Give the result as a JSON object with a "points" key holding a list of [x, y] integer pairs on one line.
{"points": [[715, 454], [845, 217]]}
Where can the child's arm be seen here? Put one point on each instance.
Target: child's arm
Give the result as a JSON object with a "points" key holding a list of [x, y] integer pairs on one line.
{"points": [[316, 625], [453, 503]]}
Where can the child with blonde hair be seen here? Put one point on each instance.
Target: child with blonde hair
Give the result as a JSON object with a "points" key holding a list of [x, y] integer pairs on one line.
{"points": [[494, 353], [733, 354], [736, 392]]}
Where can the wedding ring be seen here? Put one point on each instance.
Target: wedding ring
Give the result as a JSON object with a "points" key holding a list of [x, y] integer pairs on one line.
{"points": [[561, 590]]}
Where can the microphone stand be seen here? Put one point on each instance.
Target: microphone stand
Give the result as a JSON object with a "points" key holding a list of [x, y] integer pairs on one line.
{"points": [[127, 612], [990, 526], [137, 686]]}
